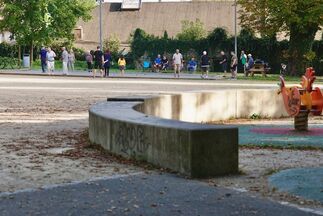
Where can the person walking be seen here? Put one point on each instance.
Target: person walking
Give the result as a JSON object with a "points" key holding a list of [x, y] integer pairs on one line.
{"points": [[42, 56], [50, 58], [178, 63], [122, 64], [89, 61], [71, 60], [205, 65], [224, 63], [98, 61], [65, 61], [107, 63], [233, 65], [243, 59]]}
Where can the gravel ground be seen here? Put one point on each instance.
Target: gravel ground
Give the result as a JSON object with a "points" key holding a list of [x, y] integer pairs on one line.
{"points": [[43, 123]]}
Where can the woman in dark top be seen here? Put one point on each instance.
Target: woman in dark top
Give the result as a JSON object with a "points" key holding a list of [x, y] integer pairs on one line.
{"points": [[107, 63], [205, 64]]}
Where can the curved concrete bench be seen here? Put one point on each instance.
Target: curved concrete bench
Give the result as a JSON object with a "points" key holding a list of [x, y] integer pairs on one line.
{"points": [[196, 150], [166, 130], [214, 106]]}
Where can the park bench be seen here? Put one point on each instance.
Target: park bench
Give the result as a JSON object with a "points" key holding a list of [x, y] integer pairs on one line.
{"points": [[258, 68]]}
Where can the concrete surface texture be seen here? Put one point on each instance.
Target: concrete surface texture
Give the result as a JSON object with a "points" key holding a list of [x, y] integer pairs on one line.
{"points": [[155, 18], [196, 150], [154, 195], [217, 105]]}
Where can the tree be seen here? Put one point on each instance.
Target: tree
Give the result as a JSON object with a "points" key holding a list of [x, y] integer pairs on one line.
{"points": [[37, 22], [300, 20], [113, 44], [192, 30]]}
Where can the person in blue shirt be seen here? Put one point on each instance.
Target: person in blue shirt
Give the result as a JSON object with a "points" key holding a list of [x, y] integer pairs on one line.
{"points": [[191, 66], [157, 63], [42, 56], [250, 63]]}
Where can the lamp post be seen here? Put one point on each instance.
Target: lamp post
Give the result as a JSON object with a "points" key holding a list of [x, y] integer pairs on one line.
{"points": [[235, 28], [235, 32], [100, 21]]}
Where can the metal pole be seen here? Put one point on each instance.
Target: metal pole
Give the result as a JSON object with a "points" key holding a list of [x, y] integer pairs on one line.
{"points": [[235, 28], [235, 31], [101, 45]]}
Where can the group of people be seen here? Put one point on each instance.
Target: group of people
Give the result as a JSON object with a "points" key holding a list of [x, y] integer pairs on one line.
{"points": [[97, 60], [102, 61], [47, 59], [178, 64]]}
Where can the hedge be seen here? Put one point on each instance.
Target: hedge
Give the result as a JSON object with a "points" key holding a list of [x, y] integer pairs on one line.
{"points": [[268, 49]]}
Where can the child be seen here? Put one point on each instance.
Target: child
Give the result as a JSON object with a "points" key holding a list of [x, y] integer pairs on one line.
{"points": [[122, 64]]}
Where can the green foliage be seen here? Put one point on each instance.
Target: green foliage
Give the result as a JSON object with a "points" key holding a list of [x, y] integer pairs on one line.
{"points": [[266, 48], [112, 44], [298, 18], [192, 31], [255, 116], [43, 21], [165, 35]]}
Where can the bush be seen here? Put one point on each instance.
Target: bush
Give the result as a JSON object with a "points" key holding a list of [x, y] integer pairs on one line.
{"points": [[267, 48]]}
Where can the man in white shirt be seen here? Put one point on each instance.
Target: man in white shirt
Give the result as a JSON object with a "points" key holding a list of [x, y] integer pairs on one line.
{"points": [[50, 61], [65, 61], [177, 62]]}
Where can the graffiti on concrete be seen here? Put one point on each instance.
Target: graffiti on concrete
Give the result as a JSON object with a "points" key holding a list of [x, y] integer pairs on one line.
{"points": [[131, 140]]}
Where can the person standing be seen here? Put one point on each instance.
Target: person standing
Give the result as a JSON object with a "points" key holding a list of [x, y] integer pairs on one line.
{"points": [[122, 64], [42, 56], [50, 57], [89, 61], [233, 65], [65, 61], [243, 59], [205, 65], [98, 61], [71, 60], [224, 63], [177, 62], [107, 63]]}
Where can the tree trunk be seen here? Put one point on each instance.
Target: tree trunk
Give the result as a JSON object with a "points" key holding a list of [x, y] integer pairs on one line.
{"points": [[31, 53], [19, 56], [299, 44]]}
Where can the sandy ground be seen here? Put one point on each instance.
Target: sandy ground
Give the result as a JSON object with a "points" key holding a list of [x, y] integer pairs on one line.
{"points": [[43, 124]]}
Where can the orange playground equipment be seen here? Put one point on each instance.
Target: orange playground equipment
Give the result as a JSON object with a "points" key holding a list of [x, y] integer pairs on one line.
{"points": [[302, 100]]}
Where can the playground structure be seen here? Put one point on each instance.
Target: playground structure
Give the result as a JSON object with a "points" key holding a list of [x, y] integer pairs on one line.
{"points": [[302, 100]]}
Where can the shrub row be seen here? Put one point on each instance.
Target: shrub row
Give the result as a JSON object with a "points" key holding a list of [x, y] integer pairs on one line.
{"points": [[268, 49]]}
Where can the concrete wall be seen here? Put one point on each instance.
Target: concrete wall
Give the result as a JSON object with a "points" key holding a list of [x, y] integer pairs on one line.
{"points": [[196, 150], [216, 106], [155, 18]]}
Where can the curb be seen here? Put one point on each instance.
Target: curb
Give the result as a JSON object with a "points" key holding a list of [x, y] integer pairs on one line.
{"points": [[111, 77]]}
